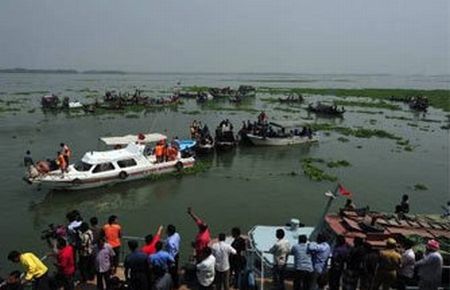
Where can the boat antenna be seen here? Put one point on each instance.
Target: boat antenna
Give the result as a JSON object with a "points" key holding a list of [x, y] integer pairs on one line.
{"points": [[321, 224]]}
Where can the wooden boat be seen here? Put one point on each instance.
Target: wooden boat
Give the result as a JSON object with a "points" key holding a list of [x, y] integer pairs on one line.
{"points": [[282, 138], [99, 168], [292, 99], [326, 110]]}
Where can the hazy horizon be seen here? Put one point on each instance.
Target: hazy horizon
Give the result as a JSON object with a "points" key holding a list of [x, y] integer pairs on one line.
{"points": [[309, 37]]}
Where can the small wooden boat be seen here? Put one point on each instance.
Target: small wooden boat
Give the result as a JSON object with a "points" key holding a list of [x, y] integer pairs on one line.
{"points": [[326, 110], [282, 137], [292, 99]]}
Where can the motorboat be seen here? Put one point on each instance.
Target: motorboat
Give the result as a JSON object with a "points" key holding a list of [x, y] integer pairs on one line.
{"points": [[282, 136], [131, 159]]}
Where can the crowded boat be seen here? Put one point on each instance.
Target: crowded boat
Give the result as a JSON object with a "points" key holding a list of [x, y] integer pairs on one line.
{"points": [[327, 110], [133, 157]]}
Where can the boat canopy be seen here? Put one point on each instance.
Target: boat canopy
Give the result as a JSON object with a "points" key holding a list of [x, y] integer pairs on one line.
{"points": [[139, 138], [287, 124], [97, 157]]}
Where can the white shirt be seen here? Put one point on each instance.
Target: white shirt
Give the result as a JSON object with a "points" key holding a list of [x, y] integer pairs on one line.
{"points": [[221, 252], [280, 251], [407, 265], [205, 271]]}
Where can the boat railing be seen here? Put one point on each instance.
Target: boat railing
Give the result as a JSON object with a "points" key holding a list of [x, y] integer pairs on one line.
{"points": [[260, 270]]}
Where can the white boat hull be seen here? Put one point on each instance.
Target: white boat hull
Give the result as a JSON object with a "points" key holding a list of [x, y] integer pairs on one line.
{"points": [[267, 141], [75, 181]]}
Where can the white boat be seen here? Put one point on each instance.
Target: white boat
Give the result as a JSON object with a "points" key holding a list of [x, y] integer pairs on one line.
{"points": [[282, 139], [75, 105], [98, 168]]}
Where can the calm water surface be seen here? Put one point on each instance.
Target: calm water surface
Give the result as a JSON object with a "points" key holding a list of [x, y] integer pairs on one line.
{"points": [[246, 187]]}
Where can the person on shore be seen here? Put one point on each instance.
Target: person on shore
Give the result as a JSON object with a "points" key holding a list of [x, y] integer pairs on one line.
{"points": [[162, 279], [389, 264], [86, 253], [104, 258], [65, 264], [173, 241], [280, 251], [369, 266], [339, 257], [237, 261], [97, 232], [150, 242], [206, 269], [13, 282], [203, 236], [406, 271], [429, 268], [66, 152], [136, 267], [161, 259], [302, 264], [222, 252], [354, 265], [62, 163], [35, 270], [28, 160], [113, 234], [320, 253]]}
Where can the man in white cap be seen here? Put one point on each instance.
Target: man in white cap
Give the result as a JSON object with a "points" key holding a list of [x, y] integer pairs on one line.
{"points": [[430, 267]]}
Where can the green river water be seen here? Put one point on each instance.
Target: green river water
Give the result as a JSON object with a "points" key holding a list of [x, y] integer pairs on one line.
{"points": [[242, 188]]}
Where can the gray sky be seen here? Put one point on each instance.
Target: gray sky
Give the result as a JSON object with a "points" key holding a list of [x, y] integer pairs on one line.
{"points": [[351, 36]]}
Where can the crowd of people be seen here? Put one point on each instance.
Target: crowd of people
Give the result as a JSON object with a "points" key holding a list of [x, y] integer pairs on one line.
{"points": [[356, 267], [200, 133], [85, 251], [166, 151]]}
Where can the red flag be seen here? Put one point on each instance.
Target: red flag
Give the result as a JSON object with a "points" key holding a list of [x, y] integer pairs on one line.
{"points": [[343, 191]]}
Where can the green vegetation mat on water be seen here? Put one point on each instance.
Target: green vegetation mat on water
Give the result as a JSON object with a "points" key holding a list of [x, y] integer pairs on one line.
{"points": [[437, 98], [317, 174]]}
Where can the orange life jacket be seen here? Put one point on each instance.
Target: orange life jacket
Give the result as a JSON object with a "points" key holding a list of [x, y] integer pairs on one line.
{"points": [[159, 150], [61, 161]]}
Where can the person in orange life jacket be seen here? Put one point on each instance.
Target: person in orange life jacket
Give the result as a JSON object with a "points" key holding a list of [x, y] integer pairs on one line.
{"points": [[66, 152], [62, 163]]}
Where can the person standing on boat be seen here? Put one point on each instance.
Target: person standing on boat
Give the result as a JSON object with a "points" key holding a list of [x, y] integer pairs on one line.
{"points": [[67, 153], [430, 267], [62, 163], [302, 264], [320, 253], [28, 160], [173, 241], [203, 236], [113, 234], [222, 252], [280, 251], [35, 270]]}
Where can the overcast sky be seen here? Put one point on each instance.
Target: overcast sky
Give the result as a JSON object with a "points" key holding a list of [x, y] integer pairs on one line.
{"points": [[329, 36]]}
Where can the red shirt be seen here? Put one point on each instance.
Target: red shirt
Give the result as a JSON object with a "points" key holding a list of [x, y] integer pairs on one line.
{"points": [[202, 239], [66, 263], [150, 248]]}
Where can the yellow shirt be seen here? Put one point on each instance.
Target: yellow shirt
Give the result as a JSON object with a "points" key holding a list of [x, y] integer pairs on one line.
{"points": [[33, 266]]}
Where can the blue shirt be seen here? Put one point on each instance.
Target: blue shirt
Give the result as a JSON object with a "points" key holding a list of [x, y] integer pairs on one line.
{"points": [[173, 245], [302, 259], [161, 259], [319, 254]]}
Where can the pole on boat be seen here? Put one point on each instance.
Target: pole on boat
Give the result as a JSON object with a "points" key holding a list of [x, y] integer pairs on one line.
{"points": [[320, 225]]}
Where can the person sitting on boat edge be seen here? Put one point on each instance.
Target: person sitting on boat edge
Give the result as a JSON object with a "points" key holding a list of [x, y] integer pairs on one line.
{"points": [[402, 208]]}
